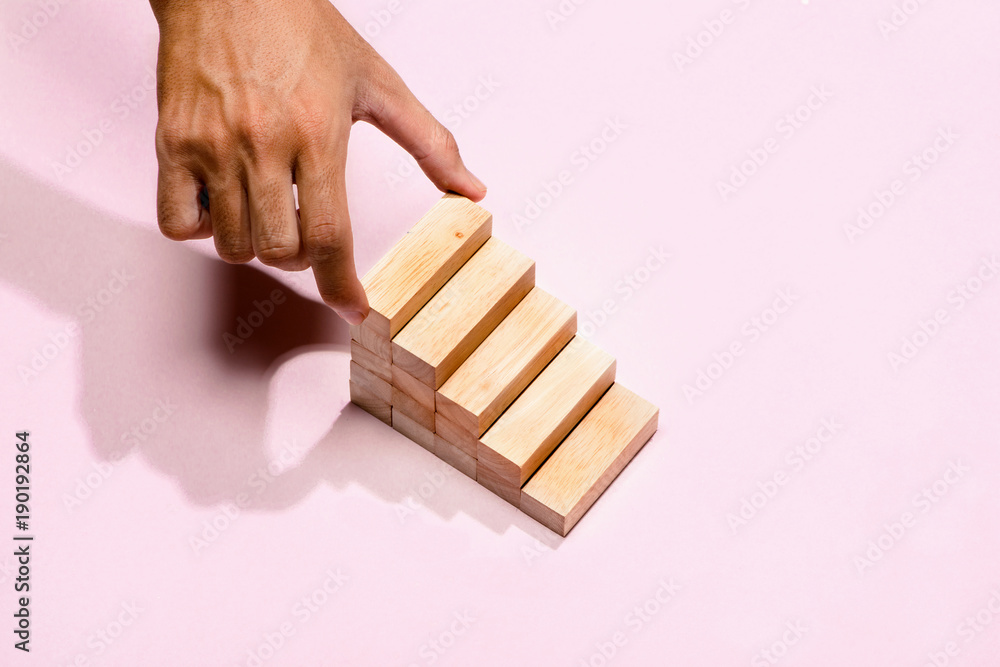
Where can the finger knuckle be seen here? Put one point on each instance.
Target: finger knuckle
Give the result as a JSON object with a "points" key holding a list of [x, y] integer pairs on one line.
{"points": [[233, 251], [311, 124], [203, 145], [379, 91], [322, 239], [236, 255], [256, 134], [171, 139], [441, 146], [275, 250], [172, 222], [446, 142], [174, 229]]}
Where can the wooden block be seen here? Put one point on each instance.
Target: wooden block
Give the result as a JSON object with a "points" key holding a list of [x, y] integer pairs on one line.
{"points": [[412, 430], [407, 405], [546, 411], [454, 457], [421, 263], [370, 361], [456, 435], [466, 310], [371, 404], [590, 458], [510, 358], [374, 344], [413, 387], [509, 492], [371, 382]]}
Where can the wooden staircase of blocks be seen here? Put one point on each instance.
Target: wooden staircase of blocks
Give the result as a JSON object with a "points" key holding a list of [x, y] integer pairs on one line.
{"points": [[466, 357]]}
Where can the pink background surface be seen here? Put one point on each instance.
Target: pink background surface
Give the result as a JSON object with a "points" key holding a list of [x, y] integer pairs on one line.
{"points": [[146, 429]]}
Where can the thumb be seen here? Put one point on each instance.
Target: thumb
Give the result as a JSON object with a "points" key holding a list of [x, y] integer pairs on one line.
{"points": [[391, 107]]}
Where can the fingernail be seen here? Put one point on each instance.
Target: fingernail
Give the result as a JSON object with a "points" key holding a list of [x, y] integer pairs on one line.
{"points": [[478, 183], [352, 317]]}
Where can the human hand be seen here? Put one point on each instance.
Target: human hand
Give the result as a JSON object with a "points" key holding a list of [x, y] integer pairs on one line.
{"points": [[255, 95]]}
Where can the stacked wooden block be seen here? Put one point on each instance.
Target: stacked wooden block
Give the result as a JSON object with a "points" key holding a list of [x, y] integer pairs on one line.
{"points": [[466, 357]]}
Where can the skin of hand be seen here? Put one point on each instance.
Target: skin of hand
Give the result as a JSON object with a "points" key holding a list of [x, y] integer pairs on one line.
{"points": [[255, 95]]}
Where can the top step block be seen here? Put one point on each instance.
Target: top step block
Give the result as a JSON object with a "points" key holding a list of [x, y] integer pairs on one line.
{"points": [[421, 262]]}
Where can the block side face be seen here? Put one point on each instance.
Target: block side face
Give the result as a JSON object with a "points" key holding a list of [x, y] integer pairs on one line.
{"points": [[542, 514], [405, 404], [371, 404], [371, 382], [455, 435], [412, 430], [455, 413], [545, 411], [446, 321], [423, 260], [366, 336], [509, 492], [375, 325], [371, 362], [412, 364], [455, 457], [416, 389], [589, 455], [497, 464]]}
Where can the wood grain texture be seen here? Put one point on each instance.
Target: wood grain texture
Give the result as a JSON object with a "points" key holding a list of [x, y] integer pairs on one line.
{"points": [[380, 346], [412, 430], [371, 382], [371, 404], [422, 262], [590, 458], [509, 492], [412, 387], [466, 310], [406, 404], [454, 457], [370, 361], [456, 435], [507, 361], [546, 411]]}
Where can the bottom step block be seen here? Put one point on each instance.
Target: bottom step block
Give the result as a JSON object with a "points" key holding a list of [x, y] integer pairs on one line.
{"points": [[370, 403], [589, 459]]}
